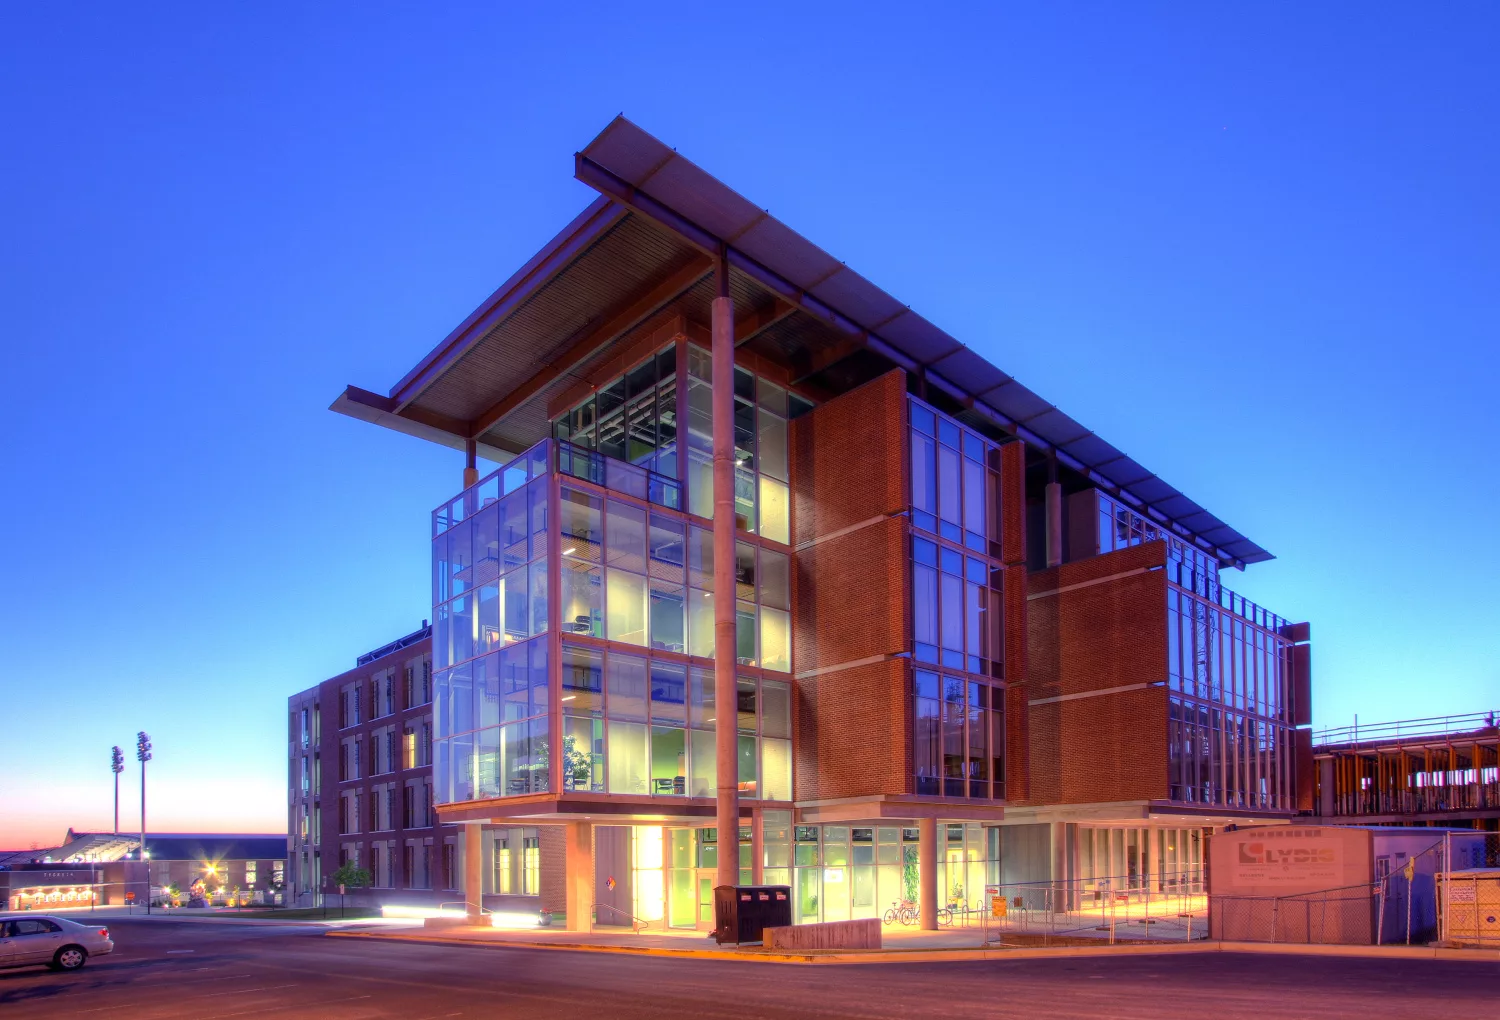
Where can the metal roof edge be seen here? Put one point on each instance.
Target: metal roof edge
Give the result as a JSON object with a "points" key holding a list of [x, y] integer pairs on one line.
{"points": [[589, 225], [634, 196]]}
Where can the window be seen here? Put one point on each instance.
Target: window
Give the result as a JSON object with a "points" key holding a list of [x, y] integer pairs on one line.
{"points": [[531, 876], [958, 736], [954, 494], [956, 613], [501, 867]]}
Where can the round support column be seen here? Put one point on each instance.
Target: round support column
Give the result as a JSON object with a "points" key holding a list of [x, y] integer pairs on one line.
{"points": [[927, 870], [726, 714]]}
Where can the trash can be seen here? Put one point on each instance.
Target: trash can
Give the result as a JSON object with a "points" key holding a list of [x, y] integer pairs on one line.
{"points": [[743, 912]]}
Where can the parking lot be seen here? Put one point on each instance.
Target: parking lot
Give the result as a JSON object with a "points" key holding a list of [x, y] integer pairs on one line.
{"points": [[223, 969]]}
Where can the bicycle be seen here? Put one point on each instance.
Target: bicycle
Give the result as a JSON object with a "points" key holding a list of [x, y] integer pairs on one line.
{"points": [[904, 911]]}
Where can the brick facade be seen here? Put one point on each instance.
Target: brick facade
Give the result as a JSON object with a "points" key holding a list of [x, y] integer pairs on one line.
{"points": [[1099, 624], [1017, 639], [322, 804], [851, 594]]}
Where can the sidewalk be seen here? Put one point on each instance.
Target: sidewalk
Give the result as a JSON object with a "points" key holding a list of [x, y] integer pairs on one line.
{"points": [[104, 915], [951, 946]]}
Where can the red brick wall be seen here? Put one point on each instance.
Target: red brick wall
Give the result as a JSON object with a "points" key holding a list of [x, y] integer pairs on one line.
{"points": [[850, 597], [1106, 635], [1013, 554], [851, 593], [849, 460], [853, 734]]}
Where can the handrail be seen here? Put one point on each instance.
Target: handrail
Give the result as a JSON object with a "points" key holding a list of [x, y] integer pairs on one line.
{"points": [[1403, 729], [465, 904], [633, 919]]}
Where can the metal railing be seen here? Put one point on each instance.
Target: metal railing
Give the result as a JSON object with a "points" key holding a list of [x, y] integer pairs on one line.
{"points": [[1111, 910], [636, 924], [1406, 729]]}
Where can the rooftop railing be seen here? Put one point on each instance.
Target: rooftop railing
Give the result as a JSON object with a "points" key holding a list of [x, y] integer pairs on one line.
{"points": [[498, 483], [1183, 575], [642, 483], [1406, 729]]}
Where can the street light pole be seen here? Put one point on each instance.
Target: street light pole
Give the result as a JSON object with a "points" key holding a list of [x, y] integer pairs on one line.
{"points": [[143, 755], [117, 765]]}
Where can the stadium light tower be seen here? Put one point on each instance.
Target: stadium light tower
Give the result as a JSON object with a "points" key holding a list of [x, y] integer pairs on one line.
{"points": [[117, 765], [143, 755]]}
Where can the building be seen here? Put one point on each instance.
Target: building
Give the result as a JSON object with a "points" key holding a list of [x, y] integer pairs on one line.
{"points": [[1425, 772], [968, 642], [361, 749], [104, 869]]}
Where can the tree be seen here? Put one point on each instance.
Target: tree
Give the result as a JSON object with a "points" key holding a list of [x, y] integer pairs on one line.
{"points": [[350, 876]]}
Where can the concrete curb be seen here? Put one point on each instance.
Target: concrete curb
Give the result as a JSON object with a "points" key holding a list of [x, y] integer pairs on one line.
{"points": [[227, 919], [947, 955]]}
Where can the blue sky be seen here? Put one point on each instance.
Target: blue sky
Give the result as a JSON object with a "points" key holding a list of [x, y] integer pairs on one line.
{"points": [[1255, 246]]}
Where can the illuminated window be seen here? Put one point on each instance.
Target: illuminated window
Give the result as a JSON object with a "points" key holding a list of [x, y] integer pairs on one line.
{"points": [[502, 880], [531, 866]]}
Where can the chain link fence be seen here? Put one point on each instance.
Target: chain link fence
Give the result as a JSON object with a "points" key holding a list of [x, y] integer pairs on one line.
{"points": [[1468, 891]]}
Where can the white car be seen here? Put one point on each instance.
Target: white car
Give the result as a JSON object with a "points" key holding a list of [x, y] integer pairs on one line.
{"points": [[28, 939]]}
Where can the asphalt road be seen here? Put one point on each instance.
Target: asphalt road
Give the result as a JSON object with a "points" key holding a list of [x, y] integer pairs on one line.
{"points": [[219, 970]]}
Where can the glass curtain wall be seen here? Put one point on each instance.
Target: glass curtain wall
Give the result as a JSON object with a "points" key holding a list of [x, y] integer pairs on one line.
{"points": [[1229, 729], [645, 577], [489, 589], [1134, 859], [957, 626], [958, 736], [849, 872], [632, 418], [645, 726]]}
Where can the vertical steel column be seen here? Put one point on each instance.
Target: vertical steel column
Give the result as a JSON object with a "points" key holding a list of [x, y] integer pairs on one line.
{"points": [[927, 869], [471, 462], [1053, 496], [757, 848], [727, 815]]}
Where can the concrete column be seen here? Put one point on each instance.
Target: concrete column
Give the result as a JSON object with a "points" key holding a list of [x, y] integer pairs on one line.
{"points": [[927, 872], [578, 871], [727, 815], [757, 850], [474, 872], [1053, 495], [471, 462], [1149, 873], [1057, 837]]}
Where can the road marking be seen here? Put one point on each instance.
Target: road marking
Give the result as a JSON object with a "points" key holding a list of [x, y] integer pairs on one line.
{"points": [[242, 991], [281, 1006], [169, 951]]}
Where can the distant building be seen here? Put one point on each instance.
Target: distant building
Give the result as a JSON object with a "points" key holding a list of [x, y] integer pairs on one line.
{"points": [[1442, 771], [102, 868], [360, 784]]}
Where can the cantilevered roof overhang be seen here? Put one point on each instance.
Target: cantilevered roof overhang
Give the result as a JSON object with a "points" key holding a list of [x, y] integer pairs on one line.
{"points": [[645, 249]]}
